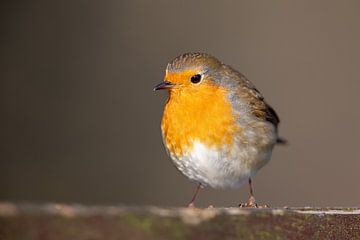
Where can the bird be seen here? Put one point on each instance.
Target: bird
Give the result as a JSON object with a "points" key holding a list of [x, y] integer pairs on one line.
{"points": [[216, 126]]}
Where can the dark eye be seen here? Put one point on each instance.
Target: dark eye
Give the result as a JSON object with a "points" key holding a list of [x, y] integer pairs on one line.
{"points": [[196, 78]]}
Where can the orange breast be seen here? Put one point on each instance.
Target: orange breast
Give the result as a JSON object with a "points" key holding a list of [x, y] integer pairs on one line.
{"points": [[201, 114]]}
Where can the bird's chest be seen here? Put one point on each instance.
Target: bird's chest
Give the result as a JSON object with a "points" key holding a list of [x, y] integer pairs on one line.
{"points": [[208, 119]]}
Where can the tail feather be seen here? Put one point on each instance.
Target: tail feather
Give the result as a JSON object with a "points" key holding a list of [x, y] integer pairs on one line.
{"points": [[281, 141]]}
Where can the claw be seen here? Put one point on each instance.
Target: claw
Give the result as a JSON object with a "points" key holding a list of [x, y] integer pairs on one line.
{"points": [[191, 205], [251, 203]]}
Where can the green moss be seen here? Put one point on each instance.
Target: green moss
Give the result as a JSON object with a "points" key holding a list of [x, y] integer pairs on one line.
{"points": [[141, 223], [155, 227]]}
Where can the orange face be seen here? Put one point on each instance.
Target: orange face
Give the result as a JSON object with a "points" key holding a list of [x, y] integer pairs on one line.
{"points": [[187, 79], [197, 110], [182, 79]]}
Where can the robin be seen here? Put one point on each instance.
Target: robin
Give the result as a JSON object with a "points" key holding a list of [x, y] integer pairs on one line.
{"points": [[216, 126]]}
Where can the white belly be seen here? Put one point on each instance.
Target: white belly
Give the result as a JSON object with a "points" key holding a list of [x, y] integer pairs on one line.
{"points": [[222, 168]]}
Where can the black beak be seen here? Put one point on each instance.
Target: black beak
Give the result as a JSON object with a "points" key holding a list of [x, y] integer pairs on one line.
{"points": [[163, 85]]}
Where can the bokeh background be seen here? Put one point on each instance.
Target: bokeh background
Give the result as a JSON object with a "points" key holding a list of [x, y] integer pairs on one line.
{"points": [[79, 121]]}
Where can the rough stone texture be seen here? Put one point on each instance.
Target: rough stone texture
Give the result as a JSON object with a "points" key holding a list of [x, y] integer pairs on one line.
{"points": [[64, 222]]}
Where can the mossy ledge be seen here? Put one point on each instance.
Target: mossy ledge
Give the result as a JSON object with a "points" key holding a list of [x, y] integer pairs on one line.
{"points": [[63, 222]]}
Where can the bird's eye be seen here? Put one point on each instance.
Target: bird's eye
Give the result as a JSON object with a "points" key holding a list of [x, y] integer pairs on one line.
{"points": [[196, 78]]}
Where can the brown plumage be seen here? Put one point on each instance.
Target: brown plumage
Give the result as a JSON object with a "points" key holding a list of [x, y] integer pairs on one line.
{"points": [[217, 127]]}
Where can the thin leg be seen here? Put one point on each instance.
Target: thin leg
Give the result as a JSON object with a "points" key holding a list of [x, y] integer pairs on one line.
{"points": [[250, 188], [192, 202], [251, 203]]}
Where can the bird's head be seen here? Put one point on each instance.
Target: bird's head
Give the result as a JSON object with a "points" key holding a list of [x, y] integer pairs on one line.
{"points": [[190, 72]]}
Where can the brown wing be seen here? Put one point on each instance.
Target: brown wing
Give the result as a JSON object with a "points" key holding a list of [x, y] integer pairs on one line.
{"points": [[247, 91], [271, 115], [261, 109], [258, 106], [264, 111]]}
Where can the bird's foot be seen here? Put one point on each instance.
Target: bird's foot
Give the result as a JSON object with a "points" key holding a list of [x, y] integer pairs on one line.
{"points": [[191, 205], [247, 205], [251, 203]]}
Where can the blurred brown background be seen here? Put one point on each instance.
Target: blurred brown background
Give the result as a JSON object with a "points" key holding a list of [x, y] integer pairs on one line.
{"points": [[79, 121]]}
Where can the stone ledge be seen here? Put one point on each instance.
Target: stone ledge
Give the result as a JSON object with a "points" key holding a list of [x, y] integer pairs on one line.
{"points": [[61, 221]]}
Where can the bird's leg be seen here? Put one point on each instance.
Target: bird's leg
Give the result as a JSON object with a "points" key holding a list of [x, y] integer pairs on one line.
{"points": [[251, 203], [192, 202]]}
